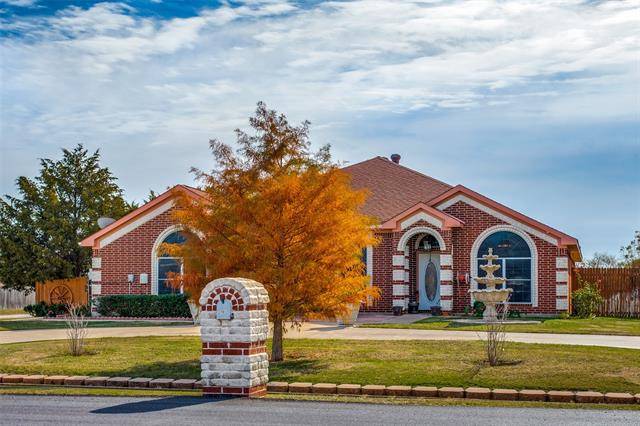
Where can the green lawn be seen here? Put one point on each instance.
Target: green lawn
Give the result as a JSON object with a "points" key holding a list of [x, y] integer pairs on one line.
{"points": [[37, 324], [600, 325], [435, 363]]}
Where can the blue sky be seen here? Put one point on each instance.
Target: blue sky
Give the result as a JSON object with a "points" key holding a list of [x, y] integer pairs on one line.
{"points": [[535, 104]]}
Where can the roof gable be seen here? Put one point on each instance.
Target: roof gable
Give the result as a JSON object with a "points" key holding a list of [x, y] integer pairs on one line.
{"points": [[464, 194], [421, 211], [158, 205], [393, 188]]}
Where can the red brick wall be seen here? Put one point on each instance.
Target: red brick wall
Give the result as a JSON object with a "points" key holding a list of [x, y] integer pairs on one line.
{"points": [[475, 222], [131, 254], [459, 242]]}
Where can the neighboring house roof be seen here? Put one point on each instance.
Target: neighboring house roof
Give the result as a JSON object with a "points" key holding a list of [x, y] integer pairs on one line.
{"points": [[393, 188], [130, 219]]}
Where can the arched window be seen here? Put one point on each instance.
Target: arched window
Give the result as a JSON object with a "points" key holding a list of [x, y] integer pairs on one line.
{"points": [[515, 261], [167, 264]]}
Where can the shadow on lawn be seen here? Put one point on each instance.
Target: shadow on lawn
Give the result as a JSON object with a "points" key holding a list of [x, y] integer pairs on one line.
{"points": [[175, 370], [289, 370], [158, 404]]}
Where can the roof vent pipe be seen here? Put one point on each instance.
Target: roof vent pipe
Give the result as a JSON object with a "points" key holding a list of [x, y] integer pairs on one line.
{"points": [[395, 158]]}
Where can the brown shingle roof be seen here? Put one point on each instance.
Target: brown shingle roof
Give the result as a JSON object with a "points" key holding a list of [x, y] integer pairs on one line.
{"points": [[393, 187]]}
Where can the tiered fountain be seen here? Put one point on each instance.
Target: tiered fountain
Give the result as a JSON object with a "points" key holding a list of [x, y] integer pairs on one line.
{"points": [[490, 295]]}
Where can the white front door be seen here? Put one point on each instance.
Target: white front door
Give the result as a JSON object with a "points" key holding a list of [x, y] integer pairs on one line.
{"points": [[428, 280]]}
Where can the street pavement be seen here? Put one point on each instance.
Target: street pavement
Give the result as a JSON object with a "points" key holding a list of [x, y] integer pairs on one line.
{"points": [[315, 330], [67, 410]]}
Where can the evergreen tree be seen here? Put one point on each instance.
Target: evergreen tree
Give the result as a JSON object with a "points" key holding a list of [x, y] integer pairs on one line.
{"points": [[41, 227]]}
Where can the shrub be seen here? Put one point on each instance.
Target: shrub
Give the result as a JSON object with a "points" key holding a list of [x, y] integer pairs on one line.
{"points": [[478, 308], [144, 305], [43, 309], [586, 300]]}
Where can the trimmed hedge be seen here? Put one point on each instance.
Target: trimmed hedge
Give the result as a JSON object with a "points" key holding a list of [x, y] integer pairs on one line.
{"points": [[43, 310], [144, 306]]}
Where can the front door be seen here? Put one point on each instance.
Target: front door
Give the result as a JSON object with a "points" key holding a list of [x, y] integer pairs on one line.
{"points": [[428, 280]]}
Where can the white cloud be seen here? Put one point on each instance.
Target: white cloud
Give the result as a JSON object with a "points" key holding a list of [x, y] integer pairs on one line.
{"points": [[20, 3], [151, 92]]}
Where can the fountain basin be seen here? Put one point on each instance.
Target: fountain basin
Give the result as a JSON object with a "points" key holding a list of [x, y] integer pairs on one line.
{"points": [[491, 296]]}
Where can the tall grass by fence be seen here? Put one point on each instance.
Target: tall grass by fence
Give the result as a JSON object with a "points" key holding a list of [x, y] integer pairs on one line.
{"points": [[620, 288], [12, 299]]}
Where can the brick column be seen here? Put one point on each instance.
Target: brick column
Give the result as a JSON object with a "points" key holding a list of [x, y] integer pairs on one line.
{"points": [[400, 280], [446, 273], [234, 327], [562, 283]]}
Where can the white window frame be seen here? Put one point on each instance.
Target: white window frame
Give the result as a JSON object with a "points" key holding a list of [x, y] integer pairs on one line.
{"points": [[534, 259], [155, 258]]}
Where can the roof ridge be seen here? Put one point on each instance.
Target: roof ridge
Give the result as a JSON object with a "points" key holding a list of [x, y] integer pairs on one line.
{"points": [[391, 163]]}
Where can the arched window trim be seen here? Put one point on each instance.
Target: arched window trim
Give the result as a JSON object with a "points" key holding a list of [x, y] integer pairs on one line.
{"points": [[404, 240], [534, 259], [154, 255]]}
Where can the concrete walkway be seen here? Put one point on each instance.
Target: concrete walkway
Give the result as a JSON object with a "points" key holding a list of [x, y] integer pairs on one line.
{"points": [[331, 331]]}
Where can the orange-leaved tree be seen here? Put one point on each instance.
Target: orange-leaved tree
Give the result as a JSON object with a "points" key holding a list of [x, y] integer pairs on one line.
{"points": [[276, 212]]}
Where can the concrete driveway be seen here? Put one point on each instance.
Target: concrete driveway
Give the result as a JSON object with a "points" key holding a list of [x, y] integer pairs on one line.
{"points": [[331, 331]]}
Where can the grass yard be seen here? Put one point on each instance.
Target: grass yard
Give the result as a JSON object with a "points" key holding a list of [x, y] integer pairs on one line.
{"points": [[36, 324], [435, 363], [600, 325]]}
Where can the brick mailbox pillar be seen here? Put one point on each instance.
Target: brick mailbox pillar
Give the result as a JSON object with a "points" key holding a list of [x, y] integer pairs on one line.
{"points": [[234, 327]]}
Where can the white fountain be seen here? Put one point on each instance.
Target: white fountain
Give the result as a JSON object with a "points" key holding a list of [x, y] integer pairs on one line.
{"points": [[490, 295]]}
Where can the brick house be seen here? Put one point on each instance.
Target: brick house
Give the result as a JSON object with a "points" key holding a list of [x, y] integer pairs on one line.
{"points": [[432, 238]]}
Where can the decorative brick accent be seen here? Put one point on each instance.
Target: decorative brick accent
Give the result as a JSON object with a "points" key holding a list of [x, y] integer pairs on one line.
{"points": [[161, 383], [96, 381], [478, 393], [562, 290], [140, 382], [75, 380], [561, 396], [324, 388], [589, 397], [451, 392], [300, 387], [398, 390], [54, 380], [119, 382], [504, 394], [183, 384], [277, 387], [562, 304], [373, 390], [349, 389], [562, 262], [532, 395], [234, 359], [34, 379], [619, 398], [562, 276], [425, 391]]}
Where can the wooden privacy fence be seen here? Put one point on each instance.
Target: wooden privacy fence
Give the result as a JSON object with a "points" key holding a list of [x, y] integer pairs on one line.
{"points": [[72, 290], [620, 288], [13, 299]]}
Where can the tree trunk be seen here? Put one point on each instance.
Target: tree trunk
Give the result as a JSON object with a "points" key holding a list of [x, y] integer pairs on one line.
{"points": [[276, 344]]}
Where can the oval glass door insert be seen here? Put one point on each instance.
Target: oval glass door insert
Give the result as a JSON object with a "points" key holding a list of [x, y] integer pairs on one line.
{"points": [[431, 281]]}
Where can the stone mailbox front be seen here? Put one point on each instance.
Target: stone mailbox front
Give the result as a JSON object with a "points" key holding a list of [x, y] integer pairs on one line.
{"points": [[234, 327]]}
